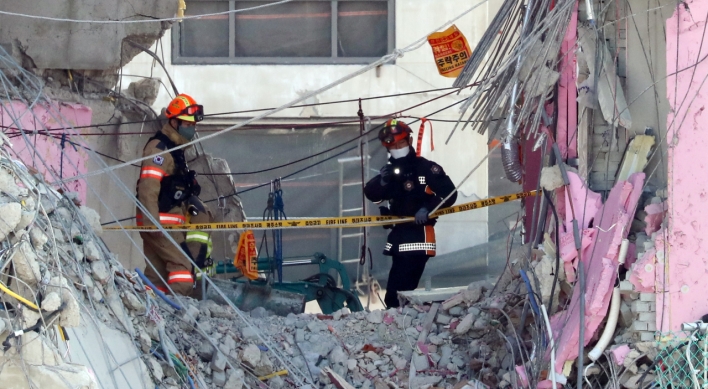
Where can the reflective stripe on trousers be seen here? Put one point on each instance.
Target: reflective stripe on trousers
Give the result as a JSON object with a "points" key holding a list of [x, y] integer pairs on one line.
{"points": [[165, 218], [180, 276]]}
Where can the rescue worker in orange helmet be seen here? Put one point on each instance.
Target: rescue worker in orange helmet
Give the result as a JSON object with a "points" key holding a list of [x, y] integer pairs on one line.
{"points": [[413, 186], [169, 191]]}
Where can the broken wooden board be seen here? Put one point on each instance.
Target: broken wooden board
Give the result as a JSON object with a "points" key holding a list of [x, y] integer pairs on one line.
{"points": [[636, 156], [337, 380]]}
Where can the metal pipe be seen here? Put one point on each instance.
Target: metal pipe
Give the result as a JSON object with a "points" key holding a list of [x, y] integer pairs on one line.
{"points": [[591, 11], [158, 292], [553, 345], [163, 345], [510, 159], [204, 287], [510, 150], [298, 263]]}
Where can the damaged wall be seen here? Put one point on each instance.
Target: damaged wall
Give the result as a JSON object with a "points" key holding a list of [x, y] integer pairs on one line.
{"points": [[684, 285], [634, 46], [646, 92], [45, 44]]}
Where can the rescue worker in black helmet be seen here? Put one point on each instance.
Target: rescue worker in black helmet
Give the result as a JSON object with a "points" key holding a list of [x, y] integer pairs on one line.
{"points": [[169, 191], [413, 186]]}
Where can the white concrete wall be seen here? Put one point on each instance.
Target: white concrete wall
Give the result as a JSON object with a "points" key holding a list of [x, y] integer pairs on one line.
{"points": [[222, 88]]}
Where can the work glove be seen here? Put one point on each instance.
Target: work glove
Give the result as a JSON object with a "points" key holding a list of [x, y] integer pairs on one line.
{"points": [[209, 268], [421, 217], [385, 174], [204, 263]]}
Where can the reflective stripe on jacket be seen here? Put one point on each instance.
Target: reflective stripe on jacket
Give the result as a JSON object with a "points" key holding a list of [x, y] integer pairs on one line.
{"points": [[202, 238], [152, 172]]}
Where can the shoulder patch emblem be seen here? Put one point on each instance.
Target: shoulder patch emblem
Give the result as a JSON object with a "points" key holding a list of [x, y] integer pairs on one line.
{"points": [[435, 169], [408, 185], [159, 159]]}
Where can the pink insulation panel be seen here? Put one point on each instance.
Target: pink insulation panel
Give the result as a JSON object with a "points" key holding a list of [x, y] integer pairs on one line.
{"points": [[71, 162]]}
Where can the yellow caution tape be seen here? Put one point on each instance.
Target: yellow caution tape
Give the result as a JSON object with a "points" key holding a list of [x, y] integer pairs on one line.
{"points": [[328, 222]]}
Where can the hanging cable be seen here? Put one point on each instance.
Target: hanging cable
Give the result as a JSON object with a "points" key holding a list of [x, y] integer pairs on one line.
{"points": [[258, 186], [257, 126], [279, 214], [267, 215], [364, 245], [275, 210], [153, 55]]}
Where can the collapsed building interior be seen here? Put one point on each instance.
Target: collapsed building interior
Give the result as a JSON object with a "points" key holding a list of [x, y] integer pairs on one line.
{"points": [[574, 258]]}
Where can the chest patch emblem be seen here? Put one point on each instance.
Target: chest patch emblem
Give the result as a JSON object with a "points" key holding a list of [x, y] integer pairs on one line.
{"points": [[408, 185], [435, 169], [159, 159]]}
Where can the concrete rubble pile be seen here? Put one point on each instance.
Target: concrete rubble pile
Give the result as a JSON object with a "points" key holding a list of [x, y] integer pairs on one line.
{"points": [[58, 277], [52, 259], [419, 346], [44, 236]]}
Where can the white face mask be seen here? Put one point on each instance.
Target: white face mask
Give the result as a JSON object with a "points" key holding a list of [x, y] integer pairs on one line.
{"points": [[399, 153]]}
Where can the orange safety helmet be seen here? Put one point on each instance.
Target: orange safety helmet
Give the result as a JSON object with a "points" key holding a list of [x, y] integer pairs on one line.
{"points": [[393, 131], [184, 107]]}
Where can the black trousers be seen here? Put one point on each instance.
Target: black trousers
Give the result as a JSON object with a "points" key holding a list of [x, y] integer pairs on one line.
{"points": [[404, 275]]}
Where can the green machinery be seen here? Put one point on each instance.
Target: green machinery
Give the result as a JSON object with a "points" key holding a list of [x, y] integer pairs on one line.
{"points": [[289, 297]]}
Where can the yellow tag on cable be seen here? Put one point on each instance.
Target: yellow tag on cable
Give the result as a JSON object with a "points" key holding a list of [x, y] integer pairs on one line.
{"points": [[327, 222]]}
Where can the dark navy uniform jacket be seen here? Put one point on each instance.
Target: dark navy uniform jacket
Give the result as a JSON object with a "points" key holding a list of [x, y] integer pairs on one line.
{"points": [[419, 183]]}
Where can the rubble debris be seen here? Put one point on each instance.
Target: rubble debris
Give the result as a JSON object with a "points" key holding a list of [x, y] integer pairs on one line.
{"points": [[551, 178], [476, 337]]}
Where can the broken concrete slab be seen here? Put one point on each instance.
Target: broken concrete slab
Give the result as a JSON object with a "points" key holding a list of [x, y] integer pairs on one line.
{"points": [[96, 48], [91, 251], [375, 317], [235, 380], [47, 376], [420, 297], [251, 355], [218, 363], [51, 302], [25, 263]]}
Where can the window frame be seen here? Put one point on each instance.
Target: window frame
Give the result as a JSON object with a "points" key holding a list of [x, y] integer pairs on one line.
{"points": [[178, 59]]}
